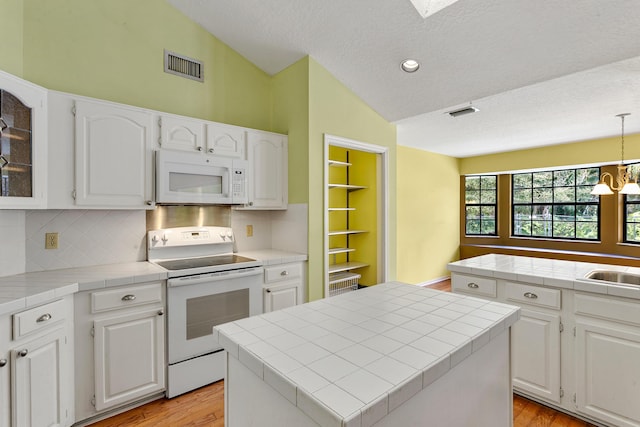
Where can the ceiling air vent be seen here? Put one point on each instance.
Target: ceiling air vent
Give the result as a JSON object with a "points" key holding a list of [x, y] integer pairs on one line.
{"points": [[462, 111], [181, 65]]}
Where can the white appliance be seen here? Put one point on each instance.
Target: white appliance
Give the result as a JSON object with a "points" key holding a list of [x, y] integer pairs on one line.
{"points": [[184, 177], [208, 285]]}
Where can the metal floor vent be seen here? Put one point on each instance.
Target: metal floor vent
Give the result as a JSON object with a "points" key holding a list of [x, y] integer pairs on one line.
{"points": [[183, 66]]}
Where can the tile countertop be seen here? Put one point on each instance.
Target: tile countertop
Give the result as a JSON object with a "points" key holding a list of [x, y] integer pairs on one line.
{"points": [[547, 272], [371, 349], [30, 289]]}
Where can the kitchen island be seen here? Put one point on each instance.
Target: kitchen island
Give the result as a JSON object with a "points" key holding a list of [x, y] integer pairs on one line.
{"points": [[388, 355]]}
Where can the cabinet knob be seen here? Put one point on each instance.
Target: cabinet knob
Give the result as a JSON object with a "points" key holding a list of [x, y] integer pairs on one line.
{"points": [[23, 352], [268, 291], [530, 295], [3, 363], [160, 312], [250, 203], [284, 273], [473, 285], [149, 202], [128, 297], [211, 150], [199, 148], [44, 318]]}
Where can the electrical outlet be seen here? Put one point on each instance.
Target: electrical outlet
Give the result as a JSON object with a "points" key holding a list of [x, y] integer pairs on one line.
{"points": [[51, 240], [249, 230]]}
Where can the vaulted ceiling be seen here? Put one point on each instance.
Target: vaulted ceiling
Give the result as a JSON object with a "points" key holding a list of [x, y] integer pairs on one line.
{"points": [[540, 72]]}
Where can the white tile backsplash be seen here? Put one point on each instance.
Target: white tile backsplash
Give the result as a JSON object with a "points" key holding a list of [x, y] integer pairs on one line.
{"points": [[282, 230], [12, 250], [86, 237]]}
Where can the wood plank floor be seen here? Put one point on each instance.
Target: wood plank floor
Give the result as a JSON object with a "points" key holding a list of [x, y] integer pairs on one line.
{"points": [[205, 407]]}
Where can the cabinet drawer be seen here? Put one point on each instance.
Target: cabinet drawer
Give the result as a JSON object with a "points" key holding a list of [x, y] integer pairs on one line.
{"points": [[129, 296], [38, 318], [474, 285], [607, 308], [535, 295], [278, 273]]}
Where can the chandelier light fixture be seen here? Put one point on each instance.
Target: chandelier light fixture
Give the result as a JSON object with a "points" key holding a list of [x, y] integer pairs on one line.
{"points": [[624, 184]]}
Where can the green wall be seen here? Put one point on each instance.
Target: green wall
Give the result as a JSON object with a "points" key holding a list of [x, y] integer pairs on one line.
{"points": [[335, 110], [114, 50], [11, 35]]}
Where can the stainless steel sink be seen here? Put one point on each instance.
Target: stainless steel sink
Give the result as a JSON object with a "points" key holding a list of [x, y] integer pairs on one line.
{"points": [[614, 277]]}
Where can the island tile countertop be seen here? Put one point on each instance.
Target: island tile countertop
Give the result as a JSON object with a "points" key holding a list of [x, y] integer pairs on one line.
{"points": [[363, 353], [30, 289], [547, 272]]}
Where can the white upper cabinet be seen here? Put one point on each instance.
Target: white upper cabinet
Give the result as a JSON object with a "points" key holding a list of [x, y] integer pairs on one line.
{"points": [[268, 178], [181, 133], [113, 154], [23, 143], [226, 140]]}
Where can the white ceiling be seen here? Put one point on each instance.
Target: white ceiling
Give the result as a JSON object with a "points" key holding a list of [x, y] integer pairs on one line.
{"points": [[541, 72]]}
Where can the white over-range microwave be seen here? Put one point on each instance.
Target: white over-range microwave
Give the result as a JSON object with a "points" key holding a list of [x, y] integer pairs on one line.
{"points": [[195, 178]]}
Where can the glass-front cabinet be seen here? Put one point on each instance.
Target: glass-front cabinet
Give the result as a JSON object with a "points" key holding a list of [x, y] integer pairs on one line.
{"points": [[23, 143]]}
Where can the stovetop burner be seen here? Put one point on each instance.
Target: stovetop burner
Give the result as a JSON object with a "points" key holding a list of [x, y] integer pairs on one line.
{"points": [[211, 261]]}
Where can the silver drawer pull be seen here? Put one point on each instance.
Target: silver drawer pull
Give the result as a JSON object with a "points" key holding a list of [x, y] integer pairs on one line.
{"points": [[43, 318], [3, 363], [473, 285], [284, 273], [23, 352], [129, 297], [530, 295]]}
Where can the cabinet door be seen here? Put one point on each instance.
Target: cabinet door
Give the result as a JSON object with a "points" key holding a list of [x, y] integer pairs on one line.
{"points": [[41, 382], [267, 156], [113, 156], [225, 140], [535, 354], [129, 357], [181, 133], [281, 296], [608, 372]]}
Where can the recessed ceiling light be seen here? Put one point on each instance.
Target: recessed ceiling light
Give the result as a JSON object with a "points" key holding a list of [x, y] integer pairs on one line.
{"points": [[410, 65]]}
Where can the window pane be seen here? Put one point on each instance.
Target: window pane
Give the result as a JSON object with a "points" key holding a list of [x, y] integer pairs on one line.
{"points": [[586, 213], [542, 228], [541, 212], [488, 197], [588, 176], [543, 179], [522, 212], [564, 213], [564, 230], [522, 196], [473, 226], [472, 196], [488, 227], [564, 194], [587, 230], [522, 180], [488, 212], [583, 194], [542, 195], [564, 178], [472, 183], [489, 182], [521, 227]]}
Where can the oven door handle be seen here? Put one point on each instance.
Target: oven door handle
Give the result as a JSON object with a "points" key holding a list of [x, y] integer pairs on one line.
{"points": [[213, 277]]}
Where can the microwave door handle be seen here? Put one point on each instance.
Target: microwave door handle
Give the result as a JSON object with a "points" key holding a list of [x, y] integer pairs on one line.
{"points": [[212, 277]]}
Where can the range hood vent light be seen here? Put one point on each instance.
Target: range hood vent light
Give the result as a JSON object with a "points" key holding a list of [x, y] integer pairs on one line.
{"points": [[183, 66]]}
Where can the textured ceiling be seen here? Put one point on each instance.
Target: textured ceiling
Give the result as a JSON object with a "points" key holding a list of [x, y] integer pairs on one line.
{"points": [[541, 72]]}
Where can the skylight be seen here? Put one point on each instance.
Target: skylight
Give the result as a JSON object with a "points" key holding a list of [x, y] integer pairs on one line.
{"points": [[428, 7]]}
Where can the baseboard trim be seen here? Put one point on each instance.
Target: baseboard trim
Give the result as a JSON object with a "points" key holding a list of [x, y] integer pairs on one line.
{"points": [[434, 281]]}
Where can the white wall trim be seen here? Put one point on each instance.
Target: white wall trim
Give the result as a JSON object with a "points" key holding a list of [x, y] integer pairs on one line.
{"points": [[434, 281]]}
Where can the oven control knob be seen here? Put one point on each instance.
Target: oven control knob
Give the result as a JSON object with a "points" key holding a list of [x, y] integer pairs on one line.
{"points": [[223, 236], [165, 239], [154, 239], [230, 235]]}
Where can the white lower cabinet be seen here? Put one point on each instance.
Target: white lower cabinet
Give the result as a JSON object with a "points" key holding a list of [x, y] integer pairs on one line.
{"points": [[283, 286], [535, 354], [608, 360], [120, 343], [36, 366]]}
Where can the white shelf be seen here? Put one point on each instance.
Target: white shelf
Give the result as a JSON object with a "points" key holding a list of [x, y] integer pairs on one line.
{"points": [[334, 251], [341, 209], [346, 266], [337, 163], [344, 232], [349, 187]]}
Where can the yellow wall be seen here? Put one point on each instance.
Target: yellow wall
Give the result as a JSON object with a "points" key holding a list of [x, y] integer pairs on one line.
{"points": [[335, 110], [11, 36], [114, 50], [428, 214], [603, 150]]}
